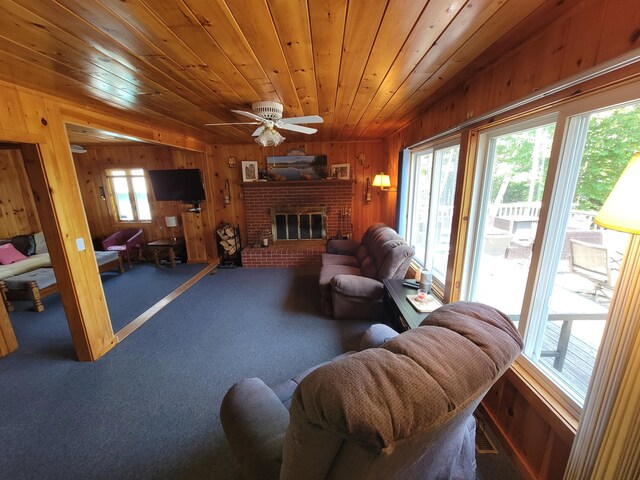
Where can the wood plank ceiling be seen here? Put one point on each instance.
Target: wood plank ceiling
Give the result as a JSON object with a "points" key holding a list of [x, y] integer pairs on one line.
{"points": [[368, 67]]}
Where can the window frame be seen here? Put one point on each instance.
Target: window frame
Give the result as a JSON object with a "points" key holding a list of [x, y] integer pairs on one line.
{"points": [[557, 173], [112, 205], [409, 199]]}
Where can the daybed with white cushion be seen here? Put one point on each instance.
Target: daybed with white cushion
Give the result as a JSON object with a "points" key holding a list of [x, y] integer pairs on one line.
{"points": [[32, 278]]}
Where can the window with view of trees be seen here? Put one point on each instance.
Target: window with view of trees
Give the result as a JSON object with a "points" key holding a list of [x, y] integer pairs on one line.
{"points": [[429, 205], [535, 252], [129, 198]]}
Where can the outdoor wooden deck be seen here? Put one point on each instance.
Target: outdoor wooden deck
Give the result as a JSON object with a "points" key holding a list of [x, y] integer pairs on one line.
{"points": [[579, 360]]}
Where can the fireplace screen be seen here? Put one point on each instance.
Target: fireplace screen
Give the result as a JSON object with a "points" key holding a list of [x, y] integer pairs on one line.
{"points": [[299, 224]]}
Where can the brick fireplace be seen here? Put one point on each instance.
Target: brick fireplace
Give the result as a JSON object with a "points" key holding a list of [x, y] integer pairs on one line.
{"points": [[263, 198]]}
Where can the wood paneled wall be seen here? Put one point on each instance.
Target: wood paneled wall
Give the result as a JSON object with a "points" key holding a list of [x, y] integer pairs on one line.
{"points": [[583, 36], [91, 168], [365, 160], [18, 214], [37, 122]]}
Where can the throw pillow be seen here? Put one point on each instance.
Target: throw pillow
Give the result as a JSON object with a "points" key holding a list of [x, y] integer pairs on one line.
{"points": [[25, 244], [41, 245], [9, 254]]}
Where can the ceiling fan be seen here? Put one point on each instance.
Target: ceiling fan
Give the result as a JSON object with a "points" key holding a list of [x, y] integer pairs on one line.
{"points": [[269, 116]]}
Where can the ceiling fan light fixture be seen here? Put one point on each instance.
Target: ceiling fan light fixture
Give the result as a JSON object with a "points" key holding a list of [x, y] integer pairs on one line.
{"points": [[269, 138]]}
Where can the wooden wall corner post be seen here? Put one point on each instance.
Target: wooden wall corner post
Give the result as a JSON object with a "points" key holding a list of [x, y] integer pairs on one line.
{"points": [[53, 179], [194, 237], [8, 341]]}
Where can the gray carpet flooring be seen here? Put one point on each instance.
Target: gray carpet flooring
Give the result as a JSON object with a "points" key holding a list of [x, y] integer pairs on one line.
{"points": [[149, 409]]}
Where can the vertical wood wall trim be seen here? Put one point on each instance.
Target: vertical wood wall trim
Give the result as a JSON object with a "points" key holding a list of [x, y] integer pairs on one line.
{"points": [[8, 341], [53, 179]]}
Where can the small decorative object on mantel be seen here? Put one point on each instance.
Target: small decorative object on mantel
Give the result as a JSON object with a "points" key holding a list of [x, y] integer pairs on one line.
{"points": [[265, 237], [232, 162], [340, 171], [250, 171]]}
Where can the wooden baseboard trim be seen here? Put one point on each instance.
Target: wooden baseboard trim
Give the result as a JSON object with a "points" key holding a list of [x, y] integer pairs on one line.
{"points": [[142, 318], [511, 450]]}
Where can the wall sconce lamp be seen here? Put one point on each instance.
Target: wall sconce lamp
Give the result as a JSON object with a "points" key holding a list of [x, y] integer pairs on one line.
{"points": [[171, 222], [102, 194], [367, 190], [227, 193], [381, 180]]}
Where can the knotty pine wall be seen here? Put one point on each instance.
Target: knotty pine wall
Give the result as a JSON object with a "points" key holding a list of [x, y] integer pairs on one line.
{"points": [[365, 159], [18, 214], [586, 35], [90, 168]]}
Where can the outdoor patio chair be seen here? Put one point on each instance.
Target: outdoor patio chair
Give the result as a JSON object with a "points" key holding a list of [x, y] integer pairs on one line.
{"points": [[591, 261]]}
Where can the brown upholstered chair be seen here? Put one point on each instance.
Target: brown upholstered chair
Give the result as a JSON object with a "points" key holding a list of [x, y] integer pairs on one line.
{"points": [[351, 274], [402, 410]]}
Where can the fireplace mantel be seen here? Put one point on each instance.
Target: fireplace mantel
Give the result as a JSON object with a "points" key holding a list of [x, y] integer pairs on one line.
{"points": [[297, 183]]}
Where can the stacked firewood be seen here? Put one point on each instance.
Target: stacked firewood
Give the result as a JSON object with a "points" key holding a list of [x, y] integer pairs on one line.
{"points": [[228, 239]]}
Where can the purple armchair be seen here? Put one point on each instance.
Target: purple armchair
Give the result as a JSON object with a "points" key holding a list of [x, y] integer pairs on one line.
{"points": [[125, 242]]}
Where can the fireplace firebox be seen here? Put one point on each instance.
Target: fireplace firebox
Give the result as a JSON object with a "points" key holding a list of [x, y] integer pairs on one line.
{"points": [[304, 223]]}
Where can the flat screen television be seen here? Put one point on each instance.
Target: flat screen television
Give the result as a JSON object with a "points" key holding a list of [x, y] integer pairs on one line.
{"points": [[182, 185]]}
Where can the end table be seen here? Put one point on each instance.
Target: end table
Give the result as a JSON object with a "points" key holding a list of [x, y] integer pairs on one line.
{"points": [[167, 248]]}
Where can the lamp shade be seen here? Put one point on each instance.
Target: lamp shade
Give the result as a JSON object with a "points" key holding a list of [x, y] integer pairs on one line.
{"points": [[171, 221], [269, 137], [381, 180], [620, 211]]}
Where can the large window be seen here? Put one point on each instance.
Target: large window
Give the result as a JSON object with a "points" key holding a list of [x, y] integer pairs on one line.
{"points": [[513, 167], [533, 250], [429, 206], [128, 188]]}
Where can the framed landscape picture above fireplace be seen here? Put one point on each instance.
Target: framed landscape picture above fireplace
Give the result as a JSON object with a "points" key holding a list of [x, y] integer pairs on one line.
{"points": [[297, 167]]}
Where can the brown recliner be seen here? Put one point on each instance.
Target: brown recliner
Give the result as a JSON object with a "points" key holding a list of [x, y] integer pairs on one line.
{"points": [[351, 274], [403, 410]]}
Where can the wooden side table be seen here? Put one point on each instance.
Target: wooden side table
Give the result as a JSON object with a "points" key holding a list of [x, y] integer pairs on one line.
{"points": [[166, 248], [395, 299]]}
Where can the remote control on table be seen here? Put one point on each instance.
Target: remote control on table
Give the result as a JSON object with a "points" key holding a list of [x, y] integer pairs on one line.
{"points": [[411, 284]]}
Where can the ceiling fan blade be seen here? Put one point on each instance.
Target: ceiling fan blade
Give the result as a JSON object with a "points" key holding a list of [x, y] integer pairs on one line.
{"points": [[249, 114], [297, 128], [258, 131], [307, 119], [232, 123]]}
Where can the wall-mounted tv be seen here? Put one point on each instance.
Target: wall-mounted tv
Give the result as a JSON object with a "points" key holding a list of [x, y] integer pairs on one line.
{"points": [[183, 185]]}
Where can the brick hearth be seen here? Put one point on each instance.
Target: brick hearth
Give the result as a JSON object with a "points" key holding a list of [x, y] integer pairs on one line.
{"points": [[260, 197], [297, 254]]}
